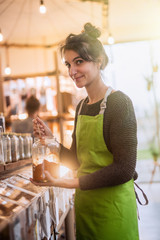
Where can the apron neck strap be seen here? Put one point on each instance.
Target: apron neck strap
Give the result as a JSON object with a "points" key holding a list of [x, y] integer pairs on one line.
{"points": [[79, 111], [103, 103]]}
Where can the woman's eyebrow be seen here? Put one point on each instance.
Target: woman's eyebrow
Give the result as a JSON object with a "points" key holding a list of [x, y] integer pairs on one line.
{"points": [[66, 62], [75, 58]]}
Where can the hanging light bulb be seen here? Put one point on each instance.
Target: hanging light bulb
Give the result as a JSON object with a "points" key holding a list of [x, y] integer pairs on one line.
{"points": [[1, 36], [42, 7], [110, 39], [7, 70]]}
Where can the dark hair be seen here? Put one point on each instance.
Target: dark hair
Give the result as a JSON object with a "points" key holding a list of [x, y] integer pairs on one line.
{"points": [[32, 105], [86, 45]]}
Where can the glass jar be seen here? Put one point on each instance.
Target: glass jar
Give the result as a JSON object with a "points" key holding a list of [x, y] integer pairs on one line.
{"points": [[45, 155], [6, 147], [14, 147], [2, 121], [30, 144], [1, 147], [21, 146], [27, 150]]}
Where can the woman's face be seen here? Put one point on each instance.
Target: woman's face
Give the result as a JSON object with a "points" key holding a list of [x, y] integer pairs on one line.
{"points": [[82, 72]]}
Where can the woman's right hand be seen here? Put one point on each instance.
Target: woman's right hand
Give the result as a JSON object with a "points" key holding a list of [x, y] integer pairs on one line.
{"points": [[40, 129]]}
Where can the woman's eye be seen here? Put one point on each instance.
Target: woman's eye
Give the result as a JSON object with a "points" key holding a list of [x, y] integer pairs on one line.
{"points": [[67, 65], [78, 62]]}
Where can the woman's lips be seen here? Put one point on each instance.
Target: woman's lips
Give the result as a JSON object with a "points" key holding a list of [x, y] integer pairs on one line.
{"points": [[77, 78]]}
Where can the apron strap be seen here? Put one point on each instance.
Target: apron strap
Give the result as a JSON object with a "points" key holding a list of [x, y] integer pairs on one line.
{"points": [[79, 111], [144, 195], [103, 103]]}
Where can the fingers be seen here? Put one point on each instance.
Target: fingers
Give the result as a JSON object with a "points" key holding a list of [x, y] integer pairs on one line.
{"points": [[38, 127], [41, 184]]}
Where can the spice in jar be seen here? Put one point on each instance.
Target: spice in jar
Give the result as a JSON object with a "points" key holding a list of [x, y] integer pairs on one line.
{"points": [[38, 170], [45, 158]]}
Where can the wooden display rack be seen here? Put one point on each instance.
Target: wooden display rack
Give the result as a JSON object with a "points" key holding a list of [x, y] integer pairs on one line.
{"points": [[6, 168]]}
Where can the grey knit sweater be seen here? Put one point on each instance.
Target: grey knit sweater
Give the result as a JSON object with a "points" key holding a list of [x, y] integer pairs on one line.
{"points": [[120, 135]]}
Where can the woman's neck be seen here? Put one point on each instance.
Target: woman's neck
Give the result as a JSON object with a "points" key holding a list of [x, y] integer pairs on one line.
{"points": [[97, 92]]}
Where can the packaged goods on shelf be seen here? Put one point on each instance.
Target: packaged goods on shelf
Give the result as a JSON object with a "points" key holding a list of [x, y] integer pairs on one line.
{"points": [[28, 211]]}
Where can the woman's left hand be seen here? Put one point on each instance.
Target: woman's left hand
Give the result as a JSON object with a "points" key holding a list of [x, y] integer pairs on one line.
{"points": [[51, 180], [57, 182]]}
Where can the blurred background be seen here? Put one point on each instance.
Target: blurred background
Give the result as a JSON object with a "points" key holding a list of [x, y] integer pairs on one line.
{"points": [[30, 35]]}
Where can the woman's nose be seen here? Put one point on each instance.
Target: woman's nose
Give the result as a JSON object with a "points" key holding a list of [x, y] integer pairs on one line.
{"points": [[72, 71]]}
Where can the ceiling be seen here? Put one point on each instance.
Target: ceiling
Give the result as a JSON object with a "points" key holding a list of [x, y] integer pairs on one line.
{"points": [[128, 20]]}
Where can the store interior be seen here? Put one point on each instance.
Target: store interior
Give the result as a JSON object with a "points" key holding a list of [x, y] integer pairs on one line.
{"points": [[31, 33]]}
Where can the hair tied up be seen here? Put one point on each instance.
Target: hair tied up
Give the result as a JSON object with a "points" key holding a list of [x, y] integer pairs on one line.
{"points": [[91, 30]]}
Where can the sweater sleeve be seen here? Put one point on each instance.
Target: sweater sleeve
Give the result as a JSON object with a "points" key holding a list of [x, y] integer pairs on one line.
{"points": [[120, 133]]}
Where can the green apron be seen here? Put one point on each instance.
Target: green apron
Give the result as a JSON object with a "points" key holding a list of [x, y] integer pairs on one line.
{"points": [[108, 213]]}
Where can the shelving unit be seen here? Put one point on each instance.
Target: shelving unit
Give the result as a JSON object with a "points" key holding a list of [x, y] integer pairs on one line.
{"points": [[9, 167], [49, 118]]}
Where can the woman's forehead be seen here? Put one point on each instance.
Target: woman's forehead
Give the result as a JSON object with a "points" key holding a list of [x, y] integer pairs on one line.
{"points": [[70, 55]]}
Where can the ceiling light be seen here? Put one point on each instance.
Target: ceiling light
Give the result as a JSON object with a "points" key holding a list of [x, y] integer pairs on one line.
{"points": [[1, 36], [42, 7], [7, 70], [110, 39]]}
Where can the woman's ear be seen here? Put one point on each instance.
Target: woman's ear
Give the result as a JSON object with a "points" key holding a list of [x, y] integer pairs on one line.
{"points": [[99, 63]]}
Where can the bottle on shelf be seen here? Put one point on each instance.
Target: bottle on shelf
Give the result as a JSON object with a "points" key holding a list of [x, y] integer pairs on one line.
{"points": [[21, 146], [14, 147], [2, 121], [7, 147], [1, 147]]}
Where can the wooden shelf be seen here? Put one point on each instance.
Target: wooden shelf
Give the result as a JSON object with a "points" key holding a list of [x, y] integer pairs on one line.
{"points": [[64, 116], [14, 165], [1, 168]]}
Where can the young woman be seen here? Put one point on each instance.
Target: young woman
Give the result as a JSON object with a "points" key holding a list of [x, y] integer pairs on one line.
{"points": [[104, 146]]}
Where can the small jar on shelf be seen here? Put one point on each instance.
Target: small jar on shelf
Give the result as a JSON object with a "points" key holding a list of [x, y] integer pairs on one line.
{"points": [[14, 147], [27, 149], [21, 146], [6, 147], [30, 144], [1, 147]]}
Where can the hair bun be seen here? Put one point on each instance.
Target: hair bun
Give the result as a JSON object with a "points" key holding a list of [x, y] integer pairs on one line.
{"points": [[91, 30]]}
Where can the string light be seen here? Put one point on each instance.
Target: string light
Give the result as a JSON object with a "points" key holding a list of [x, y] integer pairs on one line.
{"points": [[7, 70], [110, 39], [1, 36], [42, 7]]}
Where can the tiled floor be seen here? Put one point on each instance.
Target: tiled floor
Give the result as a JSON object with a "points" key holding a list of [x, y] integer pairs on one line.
{"points": [[149, 223]]}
